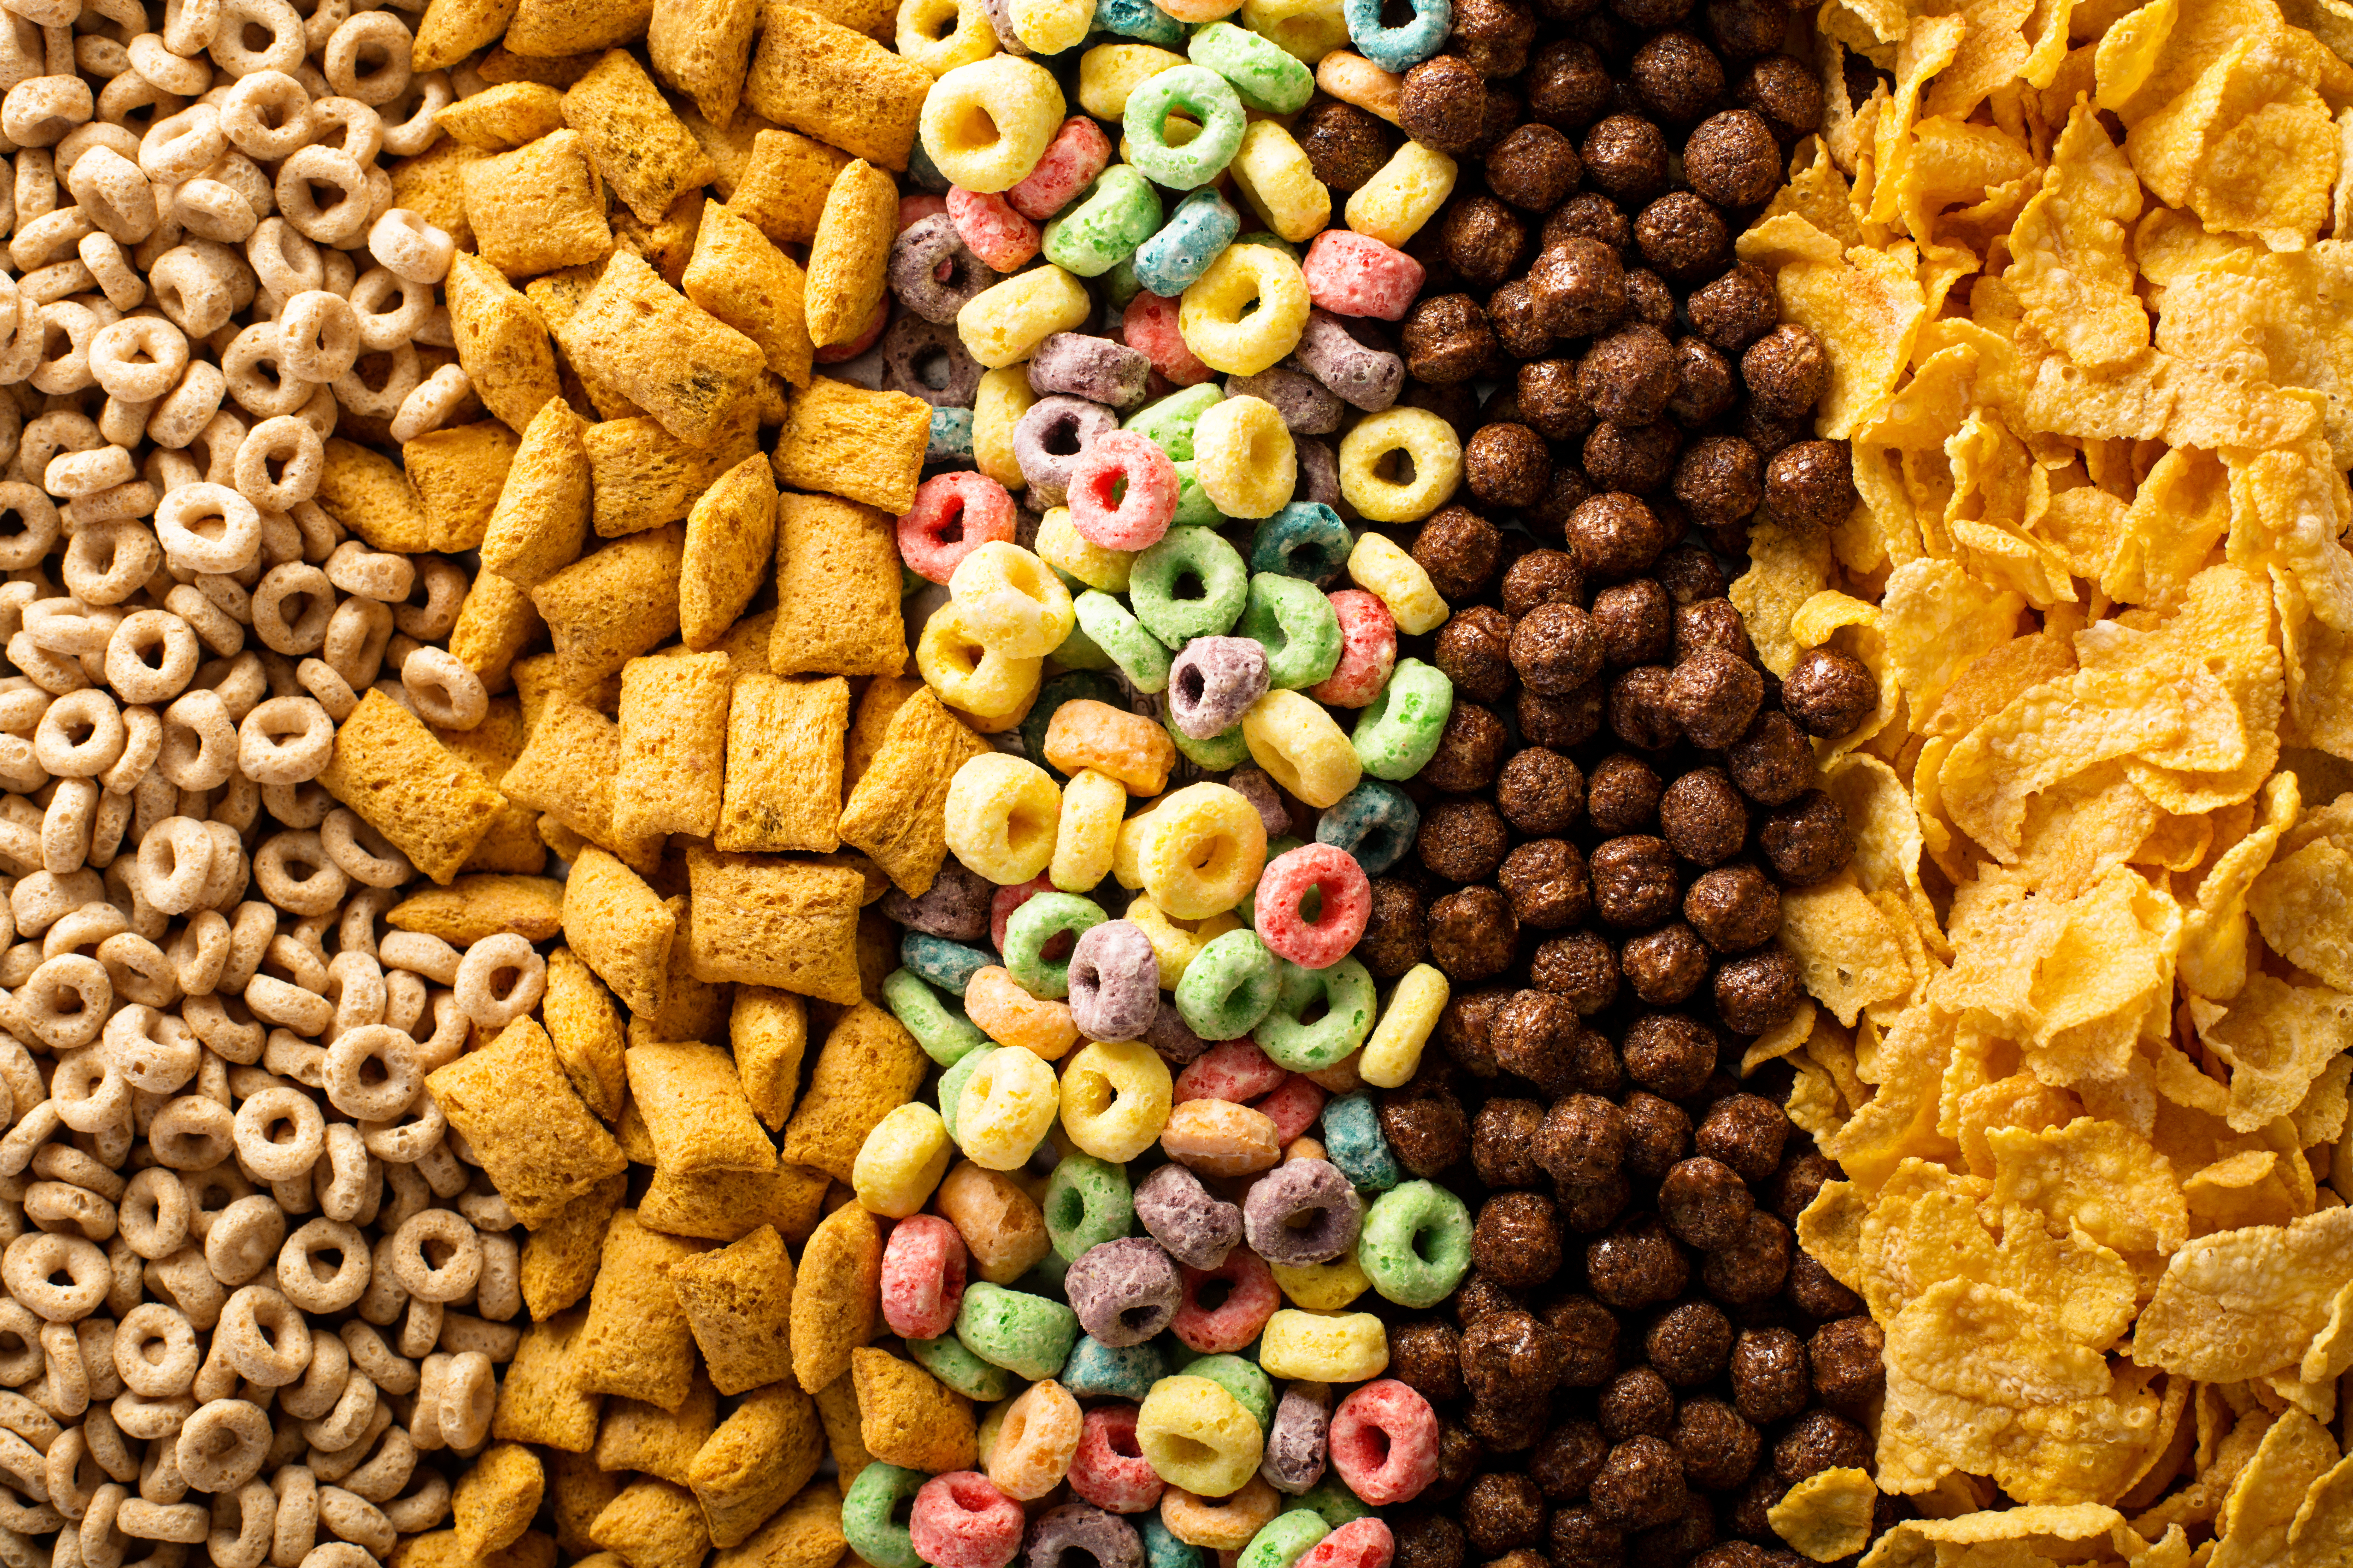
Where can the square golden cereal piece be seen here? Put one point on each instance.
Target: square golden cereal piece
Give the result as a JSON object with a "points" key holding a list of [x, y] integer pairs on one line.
{"points": [[538, 1400], [604, 610], [503, 118], [851, 254], [494, 1501], [907, 1416], [671, 357], [653, 1524], [619, 929], [768, 1031], [727, 1205], [512, 844], [745, 643], [536, 1138], [632, 138], [673, 759], [562, 842], [703, 47], [728, 146], [501, 342], [408, 786], [585, 1029], [635, 1435], [440, 1549], [784, 764], [865, 446], [739, 276], [452, 29], [666, 243], [898, 810], [539, 207], [559, 1258], [539, 514], [643, 476], [433, 186], [696, 1110], [692, 1009], [837, 591], [785, 184], [837, 1295], [495, 624], [566, 771], [805, 1534], [577, 1492], [814, 76], [730, 536], [472, 908], [738, 1300], [457, 472], [837, 1406], [636, 1343], [774, 923], [558, 295], [868, 1067], [548, 29], [760, 1456], [877, 706], [368, 493]]}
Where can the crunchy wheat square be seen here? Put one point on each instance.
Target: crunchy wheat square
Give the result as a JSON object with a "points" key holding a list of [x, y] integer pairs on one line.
{"points": [[456, 473], [865, 446], [805, 1534], [619, 929], [635, 1435], [632, 138], [897, 812], [559, 1258], [837, 591], [587, 1031], [653, 1524], [493, 1501], [501, 342], [690, 1009], [495, 624], [440, 1549], [868, 1067], [605, 609], [784, 764], [559, 71], [538, 207], [548, 29], [577, 1492], [696, 1110], [368, 493], [816, 75], [557, 298], [433, 186], [637, 1343], [727, 1205], [513, 844], [774, 923], [643, 476], [673, 745], [485, 904], [848, 258], [703, 47], [738, 1300], [907, 1416], [730, 537], [566, 771], [539, 1402], [452, 29], [540, 515], [408, 786], [666, 244], [784, 184], [757, 1459], [837, 1295], [503, 118], [768, 1031], [877, 706], [671, 357], [536, 1138], [739, 276]]}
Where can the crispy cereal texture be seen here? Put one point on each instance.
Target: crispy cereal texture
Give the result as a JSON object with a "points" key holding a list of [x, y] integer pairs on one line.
{"points": [[837, 1406], [557, 296], [540, 515], [472, 908], [673, 745], [730, 537], [539, 1402], [775, 922], [537, 1140], [703, 48], [784, 764], [784, 184], [847, 441], [653, 1524], [559, 1258], [513, 844], [456, 473], [805, 1534], [768, 1030], [617, 925], [868, 1067], [692, 1009], [493, 1501], [837, 591], [635, 1435], [499, 119], [637, 1343], [558, 70], [501, 342], [633, 139], [877, 706], [545, 29], [738, 1300], [408, 786], [897, 812], [907, 1416], [452, 29], [739, 276], [439, 1548], [566, 771], [667, 243], [643, 476], [850, 253], [757, 1459], [586, 1030], [577, 1492], [495, 624], [727, 1205], [837, 1295], [604, 610], [368, 493], [816, 75], [696, 1110], [433, 186], [668, 355], [538, 207]]}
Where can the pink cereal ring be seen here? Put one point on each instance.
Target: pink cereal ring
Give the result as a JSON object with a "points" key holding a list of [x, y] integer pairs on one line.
{"points": [[922, 1277], [1149, 327], [1293, 1108], [914, 209], [1005, 901], [1122, 493], [954, 515], [961, 1521], [1076, 155], [1325, 869], [1109, 1469], [1251, 1300], [1367, 650], [861, 342], [1359, 1543], [991, 229], [1352, 274], [1232, 1069], [1385, 1442]]}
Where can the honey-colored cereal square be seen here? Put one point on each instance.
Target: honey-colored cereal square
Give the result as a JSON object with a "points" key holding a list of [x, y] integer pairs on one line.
{"points": [[586, 1030], [513, 844], [577, 1492], [643, 476], [767, 921], [758, 1459], [502, 344], [562, 841], [865, 446], [907, 1416], [620, 928], [452, 29], [739, 276], [539, 207], [738, 1301], [848, 259], [432, 185], [368, 494], [495, 625], [503, 118], [539, 1401], [768, 1031], [875, 18], [692, 1009], [666, 244], [456, 473], [805, 1534], [559, 1258], [784, 764], [653, 1524], [566, 772], [493, 1503], [487, 904], [539, 517], [635, 1435], [877, 706], [696, 1110], [671, 357], [408, 786], [727, 145], [440, 1549], [897, 811], [836, 590], [632, 138], [837, 1406], [703, 48], [784, 184], [816, 75], [673, 745], [636, 1343], [536, 1138], [869, 1066], [730, 537], [557, 298], [727, 1205], [604, 609], [550, 29], [837, 1295]]}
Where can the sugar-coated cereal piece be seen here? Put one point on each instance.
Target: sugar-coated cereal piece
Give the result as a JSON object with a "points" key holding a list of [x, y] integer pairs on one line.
{"points": [[1115, 1097], [668, 355], [1213, 682], [1223, 1526], [1298, 743], [1358, 1543], [1196, 1228], [1201, 95], [941, 34], [1384, 1442], [1293, 1109], [902, 1161], [1400, 732], [1071, 160], [1109, 1469], [837, 1295], [922, 1277], [1375, 822], [1436, 461], [1005, 324], [1153, 323], [1087, 831], [962, 1521], [1248, 1298], [850, 256], [1006, 900], [636, 1343], [1243, 457], [1229, 988], [404, 784], [1125, 1292], [865, 446], [1061, 546], [783, 789], [1297, 1439], [1076, 1533], [1095, 369], [987, 124], [1000, 1224], [1113, 217], [1367, 651], [1233, 1070], [1278, 183], [946, 1359], [953, 514], [896, 811], [1175, 943], [868, 1067], [1204, 853], [1305, 540], [1264, 74], [640, 148], [1358, 374], [1114, 984], [538, 207], [1095, 1370], [946, 1034], [1247, 311], [1199, 1436], [1012, 602], [738, 1304], [1048, 439], [812, 75], [922, 248], [1220, 1138], [989, 227], [1341, 993], [1001, 818], [1285, 1539], [1007, 1108], [1417, 1244], [1407, 192], [1352, 274], [674, 723], [1110, 626], [1087, 1203], [1298, 628], [1346, 897], [1124, 746], [1172, 260], [1011, 1016], [1198, 554], [1302, 1212], [869, 1512], [1027, 1335], [1352, 1136]]}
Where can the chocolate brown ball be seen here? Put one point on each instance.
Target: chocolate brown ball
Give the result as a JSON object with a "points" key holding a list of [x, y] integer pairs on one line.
{"points": [[1753, 1269], [1637, 1403], [1634, 884], [1626, 158], [1463, 1028], [1710, 623], [1683, 238], [1636, 1265], [1579, 1539], [1668, 1053], [1770, 763], [1690, 574], [1345, 145], [1786, 370], [1746, 1132], [1690, 1343], [1568, 84], [1635, 458], [1473, 935], [1746, 28], [1473, 651], [1705, 386], [1461, 1452], [1579, 287], [1533, 167], [1546, 881], [1582, 1139], [1807, 839], [1784, 94], [1758, 993], [1615, 536], [1713, 695], [1503, 1142], [1443, 104], [1556, 649], [1394, 938], [1719, 479], [1516, 1239], [1770, 1377], [1493, 35], [1719, 1449], [1425, 1355], [1517, 324], [1482, 239], [1447, 340], [1507, 466], [1540, 792], [1469, 750], [1460, 550], [1820, 1440], [1581, 968], [1705, 1202], [1533, 1037], [1846, 1359], [1648, 300], [1678, 78], [1637, 622], [1465, 841], [1703, 818], [1427, 1539], [1804, 1170], [1502, 1512], [1588, 1334], [1733, 908], [1816, 1292], [1638, 707], [1732, 158], [1736, 310], [1426, 1128], [1565, 1462], [1550, 400], [1589, 215], [1505, 109], [1666, 965], [1624, 795], [1810, 484], [1652, 14], [1767, 434], [1628, 375], [1828, 692], [1642, 1483], [1561, 723], [1509, 1350]]}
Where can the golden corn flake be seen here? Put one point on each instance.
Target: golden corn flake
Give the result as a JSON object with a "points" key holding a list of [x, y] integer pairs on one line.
{"points": [[1826, 1515], [2246, 1303]]}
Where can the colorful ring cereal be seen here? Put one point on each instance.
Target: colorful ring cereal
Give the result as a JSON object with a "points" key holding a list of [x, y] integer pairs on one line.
{"points": [[1393, 1052], [1243, 457], [922, 248], [1225, 1526], [1354, 1348], [1038, 922], [1012, 602], [1199, 1436], [866, 1507], [1138, 19], [967, 673], [1415, 1245], [1397, 579], [1302, 1213], [1298, 626], [1434, 454], [1323, 1287], [1300, 746], [1125, 1291], [1345, 992], [1126, 746], [944, 1032], [1027, 1335], [1358, 374], [1006, 1108], [922, 1277], [1201, 95], [1153, 324], [1353, 80], [1359, 1543], [1232, 1069], [1196, 1227], [1059, 545], [1305, 540], [1247, 311], [962, 1520], [1077, 1534], [1293, 1109], [1405, 193], [1114, 980], [1142, 658], [1115, 1099], [1001, 1224], [1221, 1139], [1264, 77], [946, 1359], [1352, 1142], [1096, 1370], [1119, 212], [1400, 732], [1352, 274], [1087, 1203], [1089, 828], [1242, 1378], [1050, 437], [1002, 238], [1205, 853], [1275, 175], [1004, 324], [1078, 152], [1295, 1441], [1169, 422], [1001, 816], [1367, 650], [1122, 493], [935, 961], [954, 515], [1384, 1442], [1176, 944], [1004, 397], [1285, 1540], [941, 34], [902, 1159], [1034, 1445], [1375, 823], [1213, 682], [1199, 554], [1109, 1469], [1347, 904], [1230, 985], [1172, 260], [1002, 1008], [986, 124]]}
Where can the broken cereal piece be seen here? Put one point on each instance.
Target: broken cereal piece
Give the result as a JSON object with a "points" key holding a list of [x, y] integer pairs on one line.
{"points": [[493, 1501], [472, 908]]}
